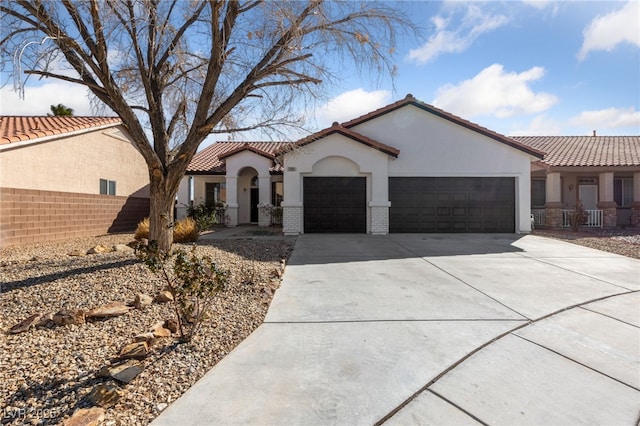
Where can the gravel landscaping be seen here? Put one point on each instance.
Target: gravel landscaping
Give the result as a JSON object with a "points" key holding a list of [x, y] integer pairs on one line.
{"points": [[47, 372]]}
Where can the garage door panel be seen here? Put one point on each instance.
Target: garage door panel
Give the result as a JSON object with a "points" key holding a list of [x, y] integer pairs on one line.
{"points": [[452, 204], [334, 204]]}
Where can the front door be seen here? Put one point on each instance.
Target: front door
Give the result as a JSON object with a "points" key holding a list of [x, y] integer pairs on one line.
{"points": [[255, 198], [588, 195]]}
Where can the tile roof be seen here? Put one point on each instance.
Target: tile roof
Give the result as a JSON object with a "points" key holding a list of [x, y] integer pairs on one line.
{"points": [[410, 100], [24, 128], [337, 128], [210, 159], [586, 150]]}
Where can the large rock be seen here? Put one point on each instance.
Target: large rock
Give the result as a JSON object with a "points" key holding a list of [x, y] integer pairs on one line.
{"points": [[158, 330], [135, 350], [26, 324], [164, 296], [172, 325], [142, 301], [148, 337], [105, 395], [125, 371], [123, 248], [99, 249], [69, 316], [93, 416], [113, 309]]}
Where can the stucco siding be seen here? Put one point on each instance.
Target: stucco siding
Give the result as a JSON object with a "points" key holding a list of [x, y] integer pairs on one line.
{"points": [[76, 164]]}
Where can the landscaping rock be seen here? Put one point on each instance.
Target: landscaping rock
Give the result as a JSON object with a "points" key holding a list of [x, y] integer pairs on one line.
{"points": [[158, 330], [77, 253], [148, 337], [171, 325], [164, 296], [25, 324], [142, 301], [98, 249], [114, 309], [86, 417], [135, 350], [122, 248], [125, 372], [69, 316], [105, 395]]}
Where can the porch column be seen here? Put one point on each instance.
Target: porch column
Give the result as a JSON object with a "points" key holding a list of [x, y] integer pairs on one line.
{"points": [[635, 205], [232, 200], [292, 215], [264, 188], [606, 202], [553, 205]]}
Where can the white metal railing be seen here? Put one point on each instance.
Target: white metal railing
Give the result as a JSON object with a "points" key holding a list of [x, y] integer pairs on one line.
{"points": [[593, 218], [539, 217]]}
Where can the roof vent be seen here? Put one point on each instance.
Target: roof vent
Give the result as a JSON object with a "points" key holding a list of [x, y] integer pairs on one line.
{"points": [[594, 133]]}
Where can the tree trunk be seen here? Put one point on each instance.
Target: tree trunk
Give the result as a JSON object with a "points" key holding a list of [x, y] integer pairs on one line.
{"points": [[161, 214]]}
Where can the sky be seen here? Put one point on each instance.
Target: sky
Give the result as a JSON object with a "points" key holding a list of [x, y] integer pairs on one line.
{"points": [[530, 67]]}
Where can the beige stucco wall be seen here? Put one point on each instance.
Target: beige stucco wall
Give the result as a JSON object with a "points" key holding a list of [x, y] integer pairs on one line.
{"points": [[76, 164]]}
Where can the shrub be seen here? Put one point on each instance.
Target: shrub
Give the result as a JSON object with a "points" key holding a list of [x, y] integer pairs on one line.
{"points": [[578, 217], [142, 231], [206, 215], [185, 231], [193, 282]]}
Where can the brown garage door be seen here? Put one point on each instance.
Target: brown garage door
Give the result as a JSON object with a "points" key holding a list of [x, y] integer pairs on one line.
{"points": [[335, 204], [452, 204]]}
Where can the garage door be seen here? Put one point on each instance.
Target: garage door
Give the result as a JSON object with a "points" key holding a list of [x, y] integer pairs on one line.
{"points": [[335, 204], [452, 204]]}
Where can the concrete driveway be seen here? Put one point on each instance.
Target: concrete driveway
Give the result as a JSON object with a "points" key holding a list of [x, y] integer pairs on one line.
{"points": [[435, 329]]}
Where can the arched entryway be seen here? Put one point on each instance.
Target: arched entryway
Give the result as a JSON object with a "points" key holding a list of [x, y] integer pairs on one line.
{"points": [[248, 195]]}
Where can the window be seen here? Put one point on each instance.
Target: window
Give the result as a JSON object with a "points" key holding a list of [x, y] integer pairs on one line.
{"points": [[538, 192], [277, 193], [215, 193], [623, 191], [107, 187]]}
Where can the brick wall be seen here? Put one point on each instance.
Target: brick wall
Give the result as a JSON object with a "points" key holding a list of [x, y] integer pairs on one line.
{"points": [[30, 216]]}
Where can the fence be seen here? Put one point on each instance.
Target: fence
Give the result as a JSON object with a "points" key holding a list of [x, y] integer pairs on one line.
{"points": [[593, 218], [539, 217]]}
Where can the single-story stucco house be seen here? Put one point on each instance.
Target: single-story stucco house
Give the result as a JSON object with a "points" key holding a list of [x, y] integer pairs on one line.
{"points": [[411, 167], [64, 177], [601, 172]]}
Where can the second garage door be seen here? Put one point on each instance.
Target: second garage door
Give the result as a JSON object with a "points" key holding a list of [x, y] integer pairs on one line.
{"points": [[335, 204], [452, 204]]}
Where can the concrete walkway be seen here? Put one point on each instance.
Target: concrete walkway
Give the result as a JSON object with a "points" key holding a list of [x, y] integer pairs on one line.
{"points": [[435, 329]]}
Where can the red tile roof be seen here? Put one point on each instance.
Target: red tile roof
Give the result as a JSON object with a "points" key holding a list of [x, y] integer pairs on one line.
{"points": [[24, 128], [209, 160], [586, 150], [410, 100], [337, 128]]}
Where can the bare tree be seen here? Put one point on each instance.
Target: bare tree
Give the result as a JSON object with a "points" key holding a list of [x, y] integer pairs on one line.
{"points": [[176, 71]]}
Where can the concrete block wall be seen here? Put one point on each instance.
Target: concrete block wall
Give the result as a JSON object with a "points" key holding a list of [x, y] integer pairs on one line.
{"points": [[379, 220], [32, 216]]}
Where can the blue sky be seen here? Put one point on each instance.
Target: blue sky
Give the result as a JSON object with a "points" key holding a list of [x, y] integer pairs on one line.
{"points": [[516, 67]]}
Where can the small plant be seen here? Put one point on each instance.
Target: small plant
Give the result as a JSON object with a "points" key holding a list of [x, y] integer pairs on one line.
{"points": [[193, 282], [142, 231], [206, 215], [185, 231], [578, 217]]}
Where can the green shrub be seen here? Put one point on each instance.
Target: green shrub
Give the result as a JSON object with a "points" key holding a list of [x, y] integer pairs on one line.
{"points": [[193, 281]]}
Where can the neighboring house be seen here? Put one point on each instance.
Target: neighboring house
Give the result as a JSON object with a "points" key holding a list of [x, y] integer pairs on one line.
{"points": [[601, 172], [64, 177], [407, 167]]}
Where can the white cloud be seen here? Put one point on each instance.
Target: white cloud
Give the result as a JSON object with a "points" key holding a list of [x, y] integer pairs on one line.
{"points": [[541, 125], [456, 40], [38, 99], [538, 4], [610, 118], [607, 31], [495, 92], [351, 104]]}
